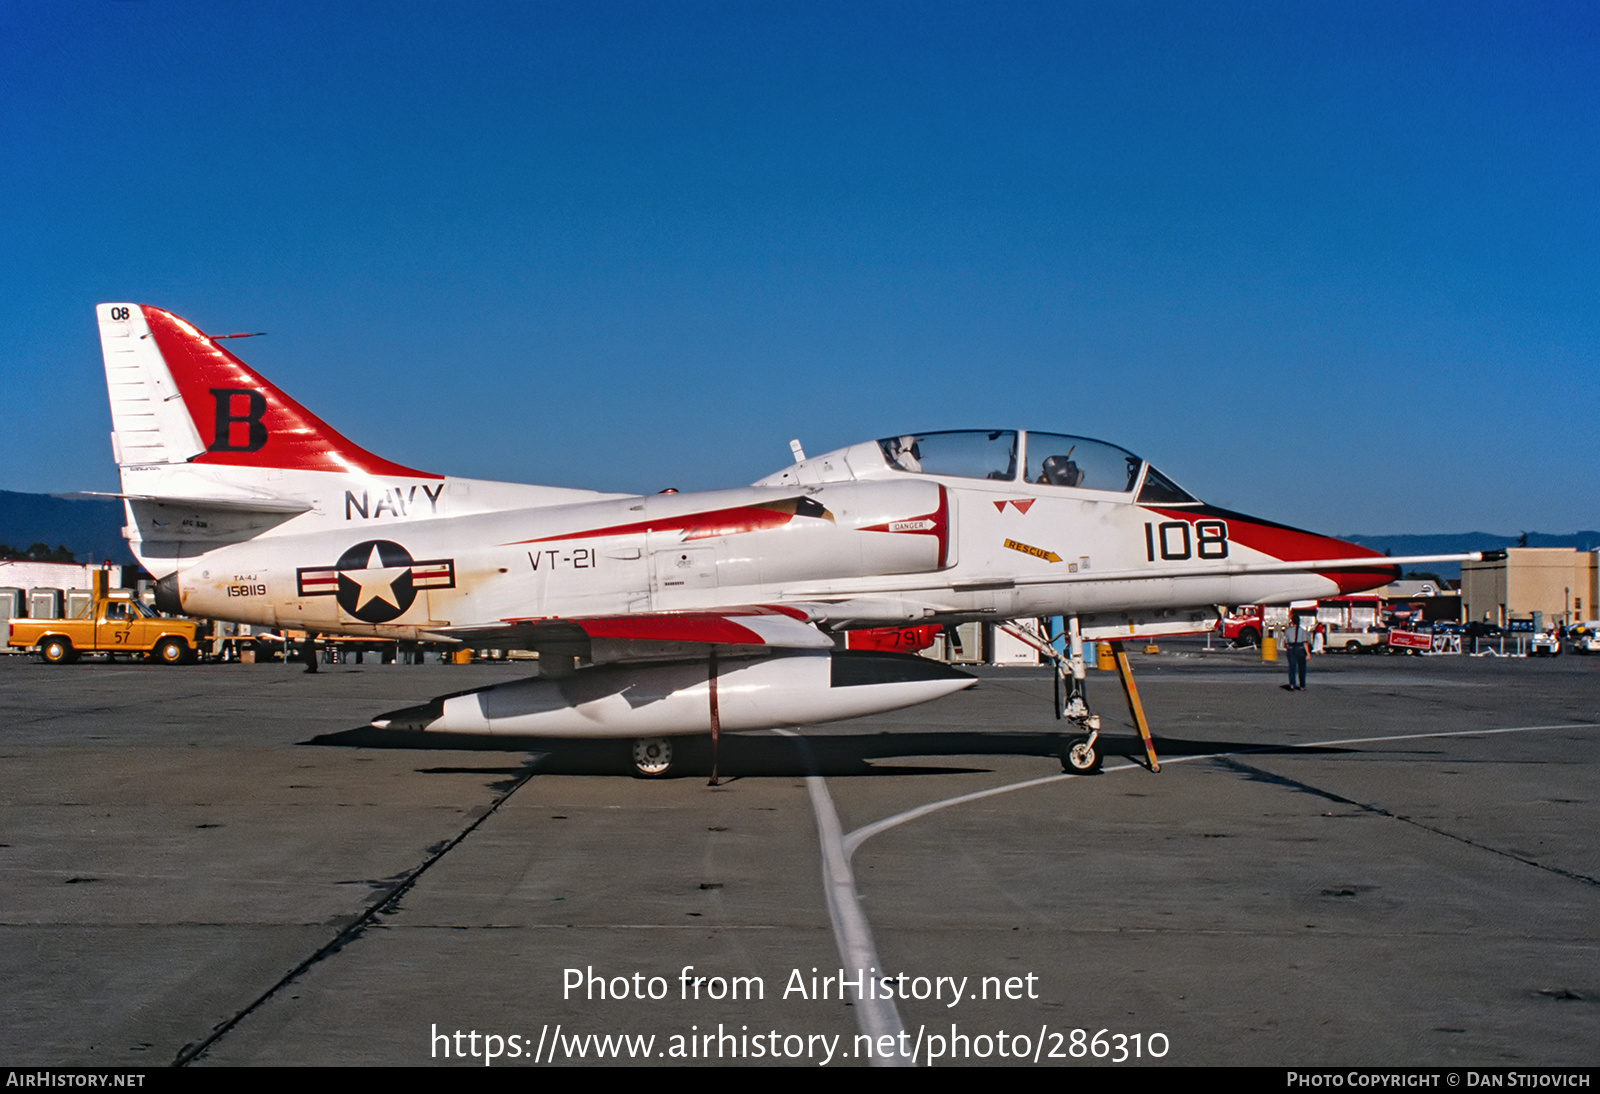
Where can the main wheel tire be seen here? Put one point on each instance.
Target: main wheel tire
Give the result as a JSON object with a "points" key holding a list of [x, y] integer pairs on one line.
{"points": [[1080, 757], [57, 651], [652, 757], [1249, 637], [171, 651]]}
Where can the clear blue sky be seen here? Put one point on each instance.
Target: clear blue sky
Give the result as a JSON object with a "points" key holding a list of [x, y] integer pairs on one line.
{"points": [[1334, 264]]}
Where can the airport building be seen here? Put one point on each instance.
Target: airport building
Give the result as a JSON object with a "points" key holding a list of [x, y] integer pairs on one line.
{"points": [[50, 590], [1558, 582]]}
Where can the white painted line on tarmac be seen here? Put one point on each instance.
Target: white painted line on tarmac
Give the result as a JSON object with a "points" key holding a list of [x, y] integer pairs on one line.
{"points": [[860, 835], [876, 1017], [852, 933]]}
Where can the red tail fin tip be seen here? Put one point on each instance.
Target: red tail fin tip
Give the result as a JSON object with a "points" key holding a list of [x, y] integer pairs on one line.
{"points": [[244, 421]]}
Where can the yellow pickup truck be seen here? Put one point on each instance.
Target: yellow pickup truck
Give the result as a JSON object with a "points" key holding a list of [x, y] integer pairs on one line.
{"points": [[115, 624]]}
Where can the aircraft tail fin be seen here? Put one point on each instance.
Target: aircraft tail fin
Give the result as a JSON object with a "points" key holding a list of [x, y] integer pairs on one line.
{"points": [[177, 397]]}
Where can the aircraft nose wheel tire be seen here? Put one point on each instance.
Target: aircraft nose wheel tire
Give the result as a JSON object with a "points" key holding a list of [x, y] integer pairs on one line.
{"points": [[1080, 757], [652, 757]]}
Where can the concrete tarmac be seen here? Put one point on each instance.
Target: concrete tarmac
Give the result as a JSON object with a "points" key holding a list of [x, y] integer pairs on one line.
{"points": [[218, 865]]}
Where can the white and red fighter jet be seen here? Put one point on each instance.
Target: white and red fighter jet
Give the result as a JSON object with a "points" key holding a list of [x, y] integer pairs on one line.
{"points": [[675, 613]]}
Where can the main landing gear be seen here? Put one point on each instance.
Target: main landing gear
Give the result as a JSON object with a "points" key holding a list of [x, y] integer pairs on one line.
{"points": [[652, 757]]}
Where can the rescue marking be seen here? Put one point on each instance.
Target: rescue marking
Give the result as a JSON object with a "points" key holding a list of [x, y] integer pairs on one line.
{"points": [[1036, 552]]}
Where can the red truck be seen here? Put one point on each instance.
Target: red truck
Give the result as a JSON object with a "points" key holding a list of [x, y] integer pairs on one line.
{"points": [[1246, 625], [1353, 623]]}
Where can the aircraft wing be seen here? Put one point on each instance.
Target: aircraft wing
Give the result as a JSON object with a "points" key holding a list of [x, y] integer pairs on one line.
{"points": [[645, 636], [1376, 563]]}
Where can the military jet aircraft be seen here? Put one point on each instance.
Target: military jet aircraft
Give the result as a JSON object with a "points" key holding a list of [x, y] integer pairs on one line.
{"points": [[663, 615]]}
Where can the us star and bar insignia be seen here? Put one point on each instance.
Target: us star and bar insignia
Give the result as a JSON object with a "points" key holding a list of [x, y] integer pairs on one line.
{"points": [[376, 580]]}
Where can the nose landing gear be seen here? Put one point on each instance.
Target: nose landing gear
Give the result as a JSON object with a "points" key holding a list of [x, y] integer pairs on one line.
{"points": [[1080, 753], [1081, 757]]}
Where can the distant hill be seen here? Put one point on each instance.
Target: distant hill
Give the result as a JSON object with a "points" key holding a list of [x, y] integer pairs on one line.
{"points": [[91, 528], [1459, 542]]}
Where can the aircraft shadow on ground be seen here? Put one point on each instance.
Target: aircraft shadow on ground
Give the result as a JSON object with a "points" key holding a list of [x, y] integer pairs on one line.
{"points": [[778, 756]]}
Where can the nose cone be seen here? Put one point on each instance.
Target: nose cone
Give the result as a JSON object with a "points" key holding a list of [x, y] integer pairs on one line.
{"points": [[412, 719], [1253, 539], [1288, 544], [1357, 580], [168, 598], [866, 668]]}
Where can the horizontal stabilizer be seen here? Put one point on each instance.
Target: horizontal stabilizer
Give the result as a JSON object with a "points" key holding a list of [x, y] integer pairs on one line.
{"points": [[231, 505]]}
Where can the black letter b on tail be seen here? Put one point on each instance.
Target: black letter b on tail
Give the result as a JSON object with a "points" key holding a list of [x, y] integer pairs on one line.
{"points": [[255, 433]]}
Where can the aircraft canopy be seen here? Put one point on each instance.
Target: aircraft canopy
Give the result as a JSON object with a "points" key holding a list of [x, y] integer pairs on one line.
{"points": [[1050, 459]]}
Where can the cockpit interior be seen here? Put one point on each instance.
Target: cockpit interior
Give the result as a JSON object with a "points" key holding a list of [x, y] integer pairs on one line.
{"points": [[1045, 459]]}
